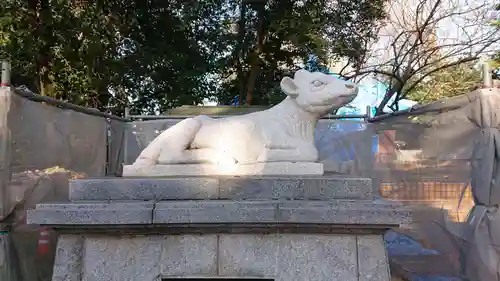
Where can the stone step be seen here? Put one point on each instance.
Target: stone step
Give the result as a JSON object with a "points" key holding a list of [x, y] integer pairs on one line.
{"points": [[371, 214], [230, 188]]}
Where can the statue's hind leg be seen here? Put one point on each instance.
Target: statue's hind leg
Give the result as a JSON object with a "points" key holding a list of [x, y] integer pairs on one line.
{"points": [[169, 146]]}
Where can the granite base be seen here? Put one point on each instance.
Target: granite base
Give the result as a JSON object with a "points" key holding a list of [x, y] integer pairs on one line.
{"points": [[279, 228], [280, 257]]}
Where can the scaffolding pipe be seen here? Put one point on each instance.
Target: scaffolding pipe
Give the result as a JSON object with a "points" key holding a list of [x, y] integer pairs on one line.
{"points": [[487, 79]]}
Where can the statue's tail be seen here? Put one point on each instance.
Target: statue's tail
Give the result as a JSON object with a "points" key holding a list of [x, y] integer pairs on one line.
{"points": [[174, 140]]}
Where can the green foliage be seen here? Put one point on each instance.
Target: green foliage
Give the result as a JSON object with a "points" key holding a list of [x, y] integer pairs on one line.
{"points": [[495, 59], [154, 55], [452, 81]]}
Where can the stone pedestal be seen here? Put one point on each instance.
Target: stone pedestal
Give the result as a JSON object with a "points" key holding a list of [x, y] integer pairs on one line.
{"points": [[258, 169], [275, 228]]}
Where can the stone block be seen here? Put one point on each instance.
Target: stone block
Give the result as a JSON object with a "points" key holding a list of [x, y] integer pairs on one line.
{"points": [[372, 258], [317, 257], [233, 188], [147, 258], [365, 214], [259, 169], [68, 261], [286, 257], [248, 255], [308, 188], [343, 212], [95, 213], [144, 188], [185, 212], [189, 255], [122, 258], [347, 212]]}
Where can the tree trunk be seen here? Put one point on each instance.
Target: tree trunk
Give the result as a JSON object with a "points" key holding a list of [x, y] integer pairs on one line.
{"points": [[255, 57], [239, 53], [390, 92], [40, 21], [45, 53], [33, 22]]}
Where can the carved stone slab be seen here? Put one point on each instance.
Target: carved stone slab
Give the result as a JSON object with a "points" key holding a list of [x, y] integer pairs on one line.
{"points": [[259, 169], [215, 212], [230, 188]]}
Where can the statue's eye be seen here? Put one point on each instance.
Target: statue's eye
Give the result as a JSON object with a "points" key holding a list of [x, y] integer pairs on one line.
{"points": [[317, 83]]}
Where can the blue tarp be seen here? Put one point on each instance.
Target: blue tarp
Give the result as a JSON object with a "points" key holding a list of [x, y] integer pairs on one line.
{"points": [[398, 244], [402, 245]]}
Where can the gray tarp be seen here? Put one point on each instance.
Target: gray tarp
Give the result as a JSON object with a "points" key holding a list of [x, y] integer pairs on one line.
{"points": [[36, 136], [482, 232], [41, 147]]}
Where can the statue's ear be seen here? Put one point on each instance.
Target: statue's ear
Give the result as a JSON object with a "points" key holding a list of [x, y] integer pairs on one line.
{"points": [[288, 86]]}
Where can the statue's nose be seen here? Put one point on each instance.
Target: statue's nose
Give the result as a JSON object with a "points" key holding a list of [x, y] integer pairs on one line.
{"points": [[349, 86]]}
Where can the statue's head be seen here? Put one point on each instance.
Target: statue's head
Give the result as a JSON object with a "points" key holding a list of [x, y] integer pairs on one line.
{"points": [[318, 93]]}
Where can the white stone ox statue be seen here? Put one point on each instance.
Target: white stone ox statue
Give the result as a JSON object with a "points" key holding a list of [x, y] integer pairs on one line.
{"points": [[283, 133]]}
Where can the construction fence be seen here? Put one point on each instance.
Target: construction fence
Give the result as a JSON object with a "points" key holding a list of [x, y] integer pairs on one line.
{"points": [[431, 157]]}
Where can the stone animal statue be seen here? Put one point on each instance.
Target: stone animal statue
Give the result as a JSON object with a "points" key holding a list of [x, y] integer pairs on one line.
{"points": [[283, 133]]}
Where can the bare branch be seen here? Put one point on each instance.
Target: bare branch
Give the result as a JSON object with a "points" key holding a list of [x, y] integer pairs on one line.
{"points": [[426, 36], [438, 69], [375, 71]]}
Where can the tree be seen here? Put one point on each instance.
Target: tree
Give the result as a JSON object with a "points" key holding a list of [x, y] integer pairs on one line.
{"points": [[495, 59], [110, 54], [154, 55], [61, 49], [280, 35], [171, 51], [416, 47], [452, 81]]}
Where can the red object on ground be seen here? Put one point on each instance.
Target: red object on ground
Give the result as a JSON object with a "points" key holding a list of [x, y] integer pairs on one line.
{"points": [[43, 241]]}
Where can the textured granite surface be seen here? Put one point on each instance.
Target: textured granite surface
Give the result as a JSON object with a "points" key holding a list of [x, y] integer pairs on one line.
{"points": [[289, 257], [342, 211], [146, 258], [281, 257], [372, 258], [235, 188], [270, 168], [69, 258], [91, 213]]}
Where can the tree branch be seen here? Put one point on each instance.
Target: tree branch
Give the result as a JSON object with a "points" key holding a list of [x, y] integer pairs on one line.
{"points": [[438, 69]]}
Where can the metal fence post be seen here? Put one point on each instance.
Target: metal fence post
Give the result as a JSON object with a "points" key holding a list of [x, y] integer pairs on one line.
{"points": [[125, 135], [5, 82], [487, 79]]}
